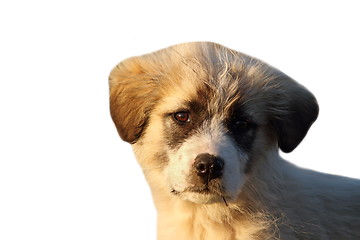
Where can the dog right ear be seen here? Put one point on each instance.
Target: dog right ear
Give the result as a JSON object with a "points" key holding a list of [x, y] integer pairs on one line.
{"points": [[295, 109], [132, 97]]}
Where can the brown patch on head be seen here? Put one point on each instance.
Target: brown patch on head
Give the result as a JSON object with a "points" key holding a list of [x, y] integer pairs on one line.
{"points": [[137, 84], [132, 96]]}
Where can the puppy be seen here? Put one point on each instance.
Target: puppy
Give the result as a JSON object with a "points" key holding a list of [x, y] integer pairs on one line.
{"points": [[206, 124]]}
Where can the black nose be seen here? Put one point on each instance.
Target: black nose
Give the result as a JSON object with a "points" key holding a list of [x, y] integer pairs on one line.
{"points": [[208, 166]]}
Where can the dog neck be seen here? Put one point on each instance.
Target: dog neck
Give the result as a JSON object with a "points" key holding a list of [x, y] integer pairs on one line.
{"points": [[180, 219]]}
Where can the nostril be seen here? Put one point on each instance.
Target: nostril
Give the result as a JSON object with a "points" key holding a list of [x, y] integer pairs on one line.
{"points": [[201, 167]]}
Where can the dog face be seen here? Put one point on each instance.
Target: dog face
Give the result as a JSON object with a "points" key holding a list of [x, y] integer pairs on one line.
{"points": [[200, 117]]}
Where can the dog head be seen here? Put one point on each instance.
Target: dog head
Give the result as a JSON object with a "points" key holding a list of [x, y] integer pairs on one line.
{"points": [[201, 115]]}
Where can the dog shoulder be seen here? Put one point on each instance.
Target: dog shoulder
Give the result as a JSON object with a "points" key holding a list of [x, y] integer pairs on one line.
{"points": [[322, 204]]}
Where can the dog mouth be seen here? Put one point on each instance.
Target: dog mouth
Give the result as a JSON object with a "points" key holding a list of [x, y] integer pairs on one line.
{"points": [[206, 192]]}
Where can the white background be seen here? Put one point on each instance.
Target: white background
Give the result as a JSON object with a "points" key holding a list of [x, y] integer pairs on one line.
{"points": [[65, 173]]}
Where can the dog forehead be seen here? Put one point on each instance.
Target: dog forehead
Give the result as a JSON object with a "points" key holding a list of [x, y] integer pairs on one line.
{"points": [[212, 78], [198, 98]]}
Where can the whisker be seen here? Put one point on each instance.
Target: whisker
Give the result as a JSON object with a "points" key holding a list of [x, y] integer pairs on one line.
{"points": [[225, 201]]}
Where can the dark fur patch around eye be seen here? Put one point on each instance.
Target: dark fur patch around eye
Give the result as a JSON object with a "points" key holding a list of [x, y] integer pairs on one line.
{"points": [[177, 132], [243, 131], [244, 139]]}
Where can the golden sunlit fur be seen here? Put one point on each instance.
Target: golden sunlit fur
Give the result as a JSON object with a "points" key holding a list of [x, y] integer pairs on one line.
{"points": [[242, 111]]}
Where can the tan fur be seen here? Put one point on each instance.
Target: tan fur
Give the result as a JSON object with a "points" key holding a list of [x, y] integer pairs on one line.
{"points": [[277, 199]]}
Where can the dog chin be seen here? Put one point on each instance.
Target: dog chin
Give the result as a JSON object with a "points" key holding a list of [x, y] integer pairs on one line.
{"points": [[201, 198]]}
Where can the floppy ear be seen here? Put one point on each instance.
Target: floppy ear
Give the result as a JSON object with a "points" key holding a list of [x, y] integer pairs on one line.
{"points": [[132, 97], [296, 110]]}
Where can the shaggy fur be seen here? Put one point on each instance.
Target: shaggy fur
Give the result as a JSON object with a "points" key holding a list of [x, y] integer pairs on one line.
{"points": [[179, 105]]}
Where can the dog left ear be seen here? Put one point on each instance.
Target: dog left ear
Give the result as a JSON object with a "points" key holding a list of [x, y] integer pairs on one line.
{"points": [[132, 97], [296, 110]]}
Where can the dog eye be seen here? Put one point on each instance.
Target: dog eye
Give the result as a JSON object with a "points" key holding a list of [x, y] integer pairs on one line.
{"points": [[242, 124], [182, 117]]}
